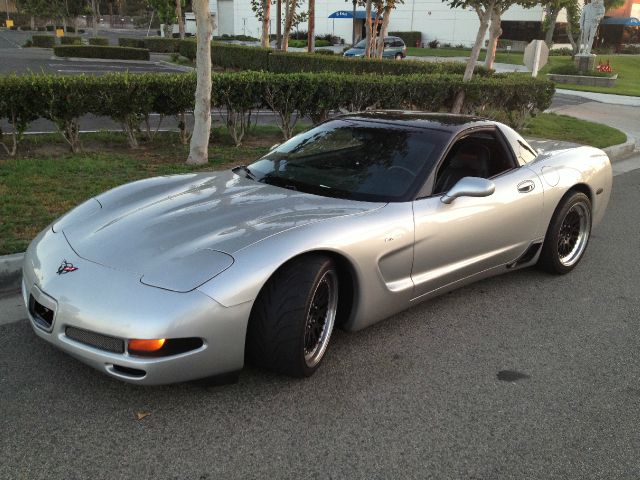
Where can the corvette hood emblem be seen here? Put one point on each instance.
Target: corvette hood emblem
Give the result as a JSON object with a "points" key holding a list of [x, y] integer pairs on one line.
{"points": [[66, 267]]}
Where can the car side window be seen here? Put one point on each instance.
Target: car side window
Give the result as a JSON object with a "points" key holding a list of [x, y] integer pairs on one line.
{"points": [[398, 43], [479, 154]]}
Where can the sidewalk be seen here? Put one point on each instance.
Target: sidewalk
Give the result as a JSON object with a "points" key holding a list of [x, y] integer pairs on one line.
{"points": [[623, 116], [498, 67]]}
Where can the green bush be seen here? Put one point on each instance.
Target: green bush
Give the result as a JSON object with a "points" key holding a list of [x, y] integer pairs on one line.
{"points": [[561, 52], [187, 49], [130, 99], [96, 51], [43, 41], [70, 40], [100, 41], [571, 69], [411, 39], [226, 55], [131, 42], [162, 45], [281, 62]]}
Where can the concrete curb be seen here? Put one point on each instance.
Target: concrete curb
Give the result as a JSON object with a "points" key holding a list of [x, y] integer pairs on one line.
{"points": [[622, 150], [105, 60], [10, 272]]}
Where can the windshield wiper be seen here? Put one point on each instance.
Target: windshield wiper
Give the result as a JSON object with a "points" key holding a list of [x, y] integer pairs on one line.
{"points": [[247, 171]]}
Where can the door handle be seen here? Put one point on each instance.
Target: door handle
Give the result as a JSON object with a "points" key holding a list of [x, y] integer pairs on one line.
{"points": [[526, 186]]}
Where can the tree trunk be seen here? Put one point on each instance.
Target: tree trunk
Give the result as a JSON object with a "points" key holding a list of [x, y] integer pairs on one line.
{"points": [[484, 17], [180, 19], [266, 19], [168, 30], [369, 30], [199, 147], [311, 38], [279, 25], [290, 9], [95, 12], [32, 23], [553, 18], [494, 34], [353, 28], [572, 41], [383, 31]]}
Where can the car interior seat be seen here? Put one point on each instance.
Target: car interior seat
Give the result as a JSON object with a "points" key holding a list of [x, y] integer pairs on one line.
{"points": [[470, 159]]}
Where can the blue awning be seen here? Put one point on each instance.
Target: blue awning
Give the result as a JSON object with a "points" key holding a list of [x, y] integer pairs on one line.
{"points": [[360, 14], [626, 21]]}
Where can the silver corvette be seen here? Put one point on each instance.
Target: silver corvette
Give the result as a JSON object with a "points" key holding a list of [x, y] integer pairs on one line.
{"points": [[185, 276]]}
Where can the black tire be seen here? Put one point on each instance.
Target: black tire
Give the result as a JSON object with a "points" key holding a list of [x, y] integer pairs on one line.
{"points": [[399, 56], [285, 318], [568, 234]]}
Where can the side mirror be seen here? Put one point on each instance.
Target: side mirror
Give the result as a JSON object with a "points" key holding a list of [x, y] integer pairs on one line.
{"points": [[469, 187]]}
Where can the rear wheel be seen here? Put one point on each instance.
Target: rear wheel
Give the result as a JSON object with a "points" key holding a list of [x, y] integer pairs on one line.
{"points": [[568, 234], [293, 317], [398, 56]]}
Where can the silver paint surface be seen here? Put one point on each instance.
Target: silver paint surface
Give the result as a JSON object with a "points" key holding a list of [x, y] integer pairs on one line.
{"points": [[186, 255]]}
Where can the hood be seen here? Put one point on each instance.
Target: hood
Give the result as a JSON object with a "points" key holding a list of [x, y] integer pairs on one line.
{"points": [[171, 220]]}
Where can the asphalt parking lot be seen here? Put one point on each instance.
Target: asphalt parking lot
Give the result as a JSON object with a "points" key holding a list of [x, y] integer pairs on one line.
{"points": [[526, 375]]}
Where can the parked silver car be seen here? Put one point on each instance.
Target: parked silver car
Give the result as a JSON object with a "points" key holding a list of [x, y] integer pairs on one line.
{"points": [[180, 277], [394, 47]]}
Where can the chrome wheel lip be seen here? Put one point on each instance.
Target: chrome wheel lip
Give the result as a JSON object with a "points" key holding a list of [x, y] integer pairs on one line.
{"points": [[581, 237], [312, 358]]}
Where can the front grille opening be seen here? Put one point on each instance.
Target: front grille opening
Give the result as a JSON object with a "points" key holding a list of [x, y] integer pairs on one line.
{"points": [[42, 315], [173, 346], [96, 340], [129, 372]]}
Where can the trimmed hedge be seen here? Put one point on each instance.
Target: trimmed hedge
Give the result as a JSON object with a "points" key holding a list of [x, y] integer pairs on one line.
{"points": [[257, 58], [411, 39], [227, 55], [96, 51], [100, 41], [162, 45], [71, 40], [43, 41], [131, 42], [130, 99]]}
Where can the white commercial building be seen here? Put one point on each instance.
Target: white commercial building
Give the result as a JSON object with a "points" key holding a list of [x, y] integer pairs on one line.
{"points": [[431, 17]]}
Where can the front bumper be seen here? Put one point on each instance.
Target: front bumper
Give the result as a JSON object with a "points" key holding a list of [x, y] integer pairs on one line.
{"points": [[116, 304]]}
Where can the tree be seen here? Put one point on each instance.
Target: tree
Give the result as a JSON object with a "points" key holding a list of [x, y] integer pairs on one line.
{"points": [[484, 9], [166, 11], [95, 13], [553, 7], [262, 11], [311, 39], [199, 147], [384, 7], [291, 18], [500, 7], [179, 5]]}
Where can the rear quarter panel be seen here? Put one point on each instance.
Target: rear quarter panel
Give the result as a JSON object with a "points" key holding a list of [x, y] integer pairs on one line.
{"points": [[585, 168]]}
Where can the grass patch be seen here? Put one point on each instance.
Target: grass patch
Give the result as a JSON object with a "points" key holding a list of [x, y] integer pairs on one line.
{"points": [[46, 180], [626, 66], [570, 129]]}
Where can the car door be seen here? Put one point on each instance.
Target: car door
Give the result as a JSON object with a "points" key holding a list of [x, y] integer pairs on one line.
{"points": [[472, 234]]}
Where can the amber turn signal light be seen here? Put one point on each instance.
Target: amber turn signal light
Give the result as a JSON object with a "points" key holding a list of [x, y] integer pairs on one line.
{"points": [[146, 346]]}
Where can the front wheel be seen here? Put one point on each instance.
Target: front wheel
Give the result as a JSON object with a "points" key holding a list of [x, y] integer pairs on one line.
{"points": [[293, 317], [398, 56], [568, 234]]}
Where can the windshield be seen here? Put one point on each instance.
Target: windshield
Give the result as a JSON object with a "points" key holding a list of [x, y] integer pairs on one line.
{"points": [[361, 44], [354, 160]]}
